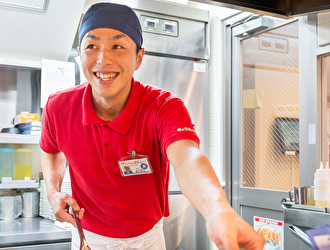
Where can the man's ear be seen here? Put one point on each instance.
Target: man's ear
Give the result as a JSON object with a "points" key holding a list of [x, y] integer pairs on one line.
{"points": [[139, 58]]}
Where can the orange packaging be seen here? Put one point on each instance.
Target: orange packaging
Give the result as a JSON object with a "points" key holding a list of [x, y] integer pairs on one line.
{"points": [[26, 117]]}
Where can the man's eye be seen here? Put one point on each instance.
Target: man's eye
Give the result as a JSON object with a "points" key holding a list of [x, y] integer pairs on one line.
{"points": [[117, 47], [90, 46]]}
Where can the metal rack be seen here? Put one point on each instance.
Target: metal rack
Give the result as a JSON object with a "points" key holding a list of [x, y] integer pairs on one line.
{"points": [[299, 218], [19, 139]]}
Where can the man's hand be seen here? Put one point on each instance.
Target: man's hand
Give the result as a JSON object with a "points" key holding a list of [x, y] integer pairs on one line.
{"points": [[60, 203], [229, 231]]}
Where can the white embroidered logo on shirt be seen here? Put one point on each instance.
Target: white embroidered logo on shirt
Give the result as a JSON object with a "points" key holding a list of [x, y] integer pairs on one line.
{"points": [[186, 129]]}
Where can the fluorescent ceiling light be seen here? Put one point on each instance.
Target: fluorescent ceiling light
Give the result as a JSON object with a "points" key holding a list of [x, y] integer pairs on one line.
{"points": [[31, 5], [176, 1]]}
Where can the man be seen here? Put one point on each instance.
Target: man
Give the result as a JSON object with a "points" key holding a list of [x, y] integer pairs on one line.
{"points": [[127, 170], [112, 121]]}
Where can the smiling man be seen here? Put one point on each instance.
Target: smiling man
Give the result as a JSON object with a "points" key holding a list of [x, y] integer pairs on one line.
{"points": [[114, 121]]}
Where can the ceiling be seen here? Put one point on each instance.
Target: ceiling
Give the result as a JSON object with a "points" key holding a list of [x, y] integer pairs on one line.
{"points": [[33, 35], [283, 8]]}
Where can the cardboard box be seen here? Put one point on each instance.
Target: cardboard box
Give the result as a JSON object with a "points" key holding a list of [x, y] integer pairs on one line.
{"points": [[26, 117]]}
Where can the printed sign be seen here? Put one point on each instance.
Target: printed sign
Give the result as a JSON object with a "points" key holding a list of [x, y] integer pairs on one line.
{"points": [[272, 231], [55, 76]]}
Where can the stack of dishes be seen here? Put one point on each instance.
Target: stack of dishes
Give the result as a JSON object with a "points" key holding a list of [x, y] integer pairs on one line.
{"points": [[66, 184], [43, 203], [51, 213]]}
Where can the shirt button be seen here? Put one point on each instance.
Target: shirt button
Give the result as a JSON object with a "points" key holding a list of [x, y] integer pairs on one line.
{"points": [[107, 145]]}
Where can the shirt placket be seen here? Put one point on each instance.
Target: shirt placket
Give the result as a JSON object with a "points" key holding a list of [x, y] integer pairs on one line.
{"points": [[106, 144]]}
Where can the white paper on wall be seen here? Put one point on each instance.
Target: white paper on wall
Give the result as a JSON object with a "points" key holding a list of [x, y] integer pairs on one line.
{"points": [[55, 76]]}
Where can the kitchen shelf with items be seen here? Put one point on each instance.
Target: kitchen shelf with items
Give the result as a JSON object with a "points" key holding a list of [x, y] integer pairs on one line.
{"points": [[16, 168], [20, 152], [26, 130]]}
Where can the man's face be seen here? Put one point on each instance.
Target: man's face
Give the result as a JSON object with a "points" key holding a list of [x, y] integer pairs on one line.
{"points": [[109, 60]]}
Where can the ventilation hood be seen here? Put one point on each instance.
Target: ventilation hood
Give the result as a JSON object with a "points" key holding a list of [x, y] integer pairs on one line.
{"points": [[31, 33], [284, 8]]}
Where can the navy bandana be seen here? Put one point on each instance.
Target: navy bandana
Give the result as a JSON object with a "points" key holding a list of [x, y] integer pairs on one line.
{"points": [[112, 16]]}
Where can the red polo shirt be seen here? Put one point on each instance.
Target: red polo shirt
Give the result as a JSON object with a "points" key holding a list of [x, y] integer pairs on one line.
{"points": [[152, 119]]}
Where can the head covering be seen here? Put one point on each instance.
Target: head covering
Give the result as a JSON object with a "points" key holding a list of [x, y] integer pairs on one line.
{"points": [[112, 16]]}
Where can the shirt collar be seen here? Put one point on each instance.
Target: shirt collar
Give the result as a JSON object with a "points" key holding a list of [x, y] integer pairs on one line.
{"points": [[123, 121]]}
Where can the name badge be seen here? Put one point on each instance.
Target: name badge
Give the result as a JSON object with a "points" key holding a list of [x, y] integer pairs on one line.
{"points": [[134, 165]]}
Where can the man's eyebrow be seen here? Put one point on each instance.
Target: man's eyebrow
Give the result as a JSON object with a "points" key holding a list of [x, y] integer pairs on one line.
{"points": [[116, 37], [92, 37]]}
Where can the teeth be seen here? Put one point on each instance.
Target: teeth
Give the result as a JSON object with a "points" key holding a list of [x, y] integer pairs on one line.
{"points": [[106, 77]]}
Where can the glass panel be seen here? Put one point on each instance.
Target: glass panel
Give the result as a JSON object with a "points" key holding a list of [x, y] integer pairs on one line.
{"points": [[270, 109]]}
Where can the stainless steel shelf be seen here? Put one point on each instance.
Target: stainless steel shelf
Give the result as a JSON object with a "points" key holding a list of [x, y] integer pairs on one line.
{"points": [[306, 217], [27, 231], [19, 139], [18, 184], [20, 63]]}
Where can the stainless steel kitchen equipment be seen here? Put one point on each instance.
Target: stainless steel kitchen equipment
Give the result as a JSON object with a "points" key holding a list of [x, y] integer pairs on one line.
{"points": [[299, 218], [33, 234], [30, 203], [304, 195], [10, 206], [176, 60]]}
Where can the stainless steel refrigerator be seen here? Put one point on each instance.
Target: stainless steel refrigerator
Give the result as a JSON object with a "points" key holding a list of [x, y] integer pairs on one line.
{"points": [[176, 60]]}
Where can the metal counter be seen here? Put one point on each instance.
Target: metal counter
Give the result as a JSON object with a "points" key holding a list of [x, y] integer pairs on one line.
{"points": [[33, 233], [302, 217]]}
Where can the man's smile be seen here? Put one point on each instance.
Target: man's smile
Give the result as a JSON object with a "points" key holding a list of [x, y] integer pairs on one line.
{"points": [[105, 76]]}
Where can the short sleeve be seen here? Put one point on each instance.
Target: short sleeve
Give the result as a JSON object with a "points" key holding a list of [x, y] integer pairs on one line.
{"points": [[174, 123], [48, 141]]}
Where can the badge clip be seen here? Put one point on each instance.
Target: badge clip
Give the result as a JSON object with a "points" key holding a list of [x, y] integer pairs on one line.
{"points": [[133, 154]]}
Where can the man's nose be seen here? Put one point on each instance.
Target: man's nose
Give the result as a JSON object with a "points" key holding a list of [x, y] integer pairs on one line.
{"points": [[104, 57]]}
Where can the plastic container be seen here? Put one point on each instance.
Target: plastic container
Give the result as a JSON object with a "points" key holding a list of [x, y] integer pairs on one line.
{"points": [[30, 203], [322, 186], [10, 207], [23, 164], [6, 163]]}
